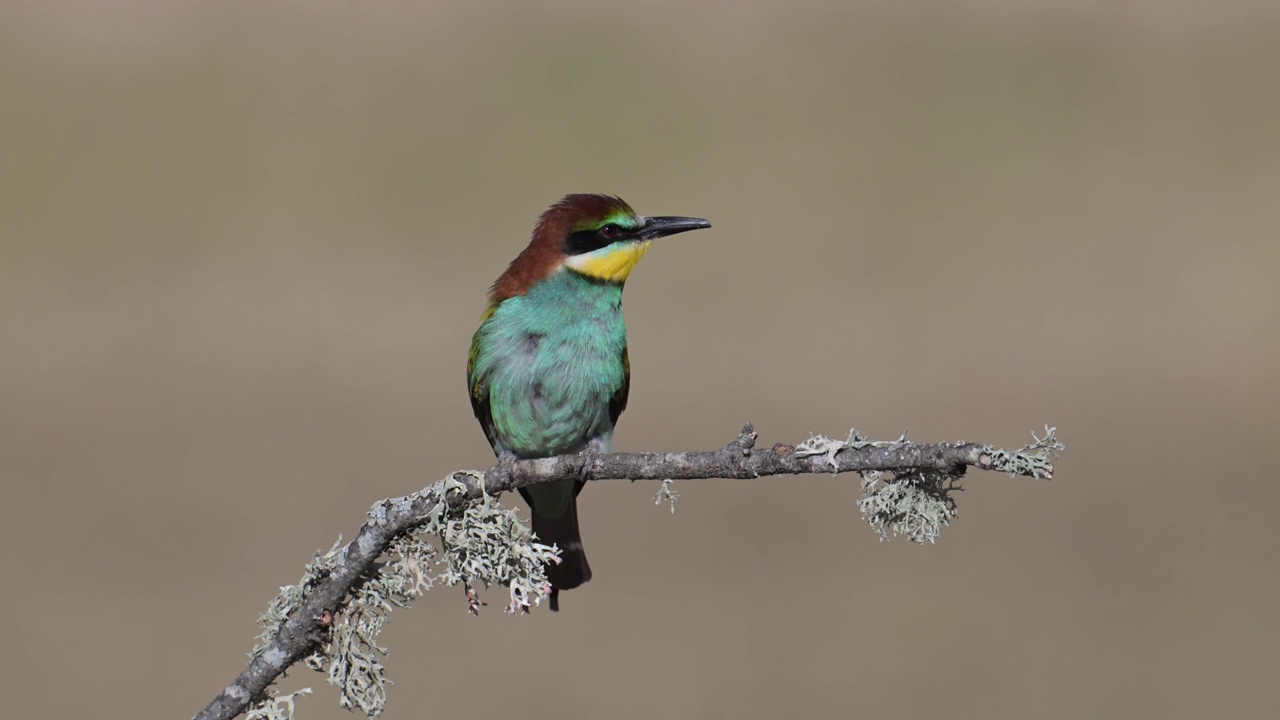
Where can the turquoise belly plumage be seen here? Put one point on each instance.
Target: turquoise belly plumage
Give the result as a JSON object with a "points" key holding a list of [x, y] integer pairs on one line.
{"points": [[552, 364], [550, 376]]}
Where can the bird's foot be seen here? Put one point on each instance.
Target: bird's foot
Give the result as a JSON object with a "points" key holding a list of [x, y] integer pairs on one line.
{"points": [[587, 456], [586, 459], [507, 463]]}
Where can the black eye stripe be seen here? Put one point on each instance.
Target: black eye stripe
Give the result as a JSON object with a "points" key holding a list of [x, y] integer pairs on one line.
{"points": [[585, 241]]}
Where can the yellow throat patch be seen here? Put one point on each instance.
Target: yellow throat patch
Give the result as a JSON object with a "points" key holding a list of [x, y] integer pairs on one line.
{"points": [[611, 264]]}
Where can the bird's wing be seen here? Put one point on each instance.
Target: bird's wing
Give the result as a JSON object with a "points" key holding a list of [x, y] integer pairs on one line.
{"points": [[480, 385], [618, 402]]}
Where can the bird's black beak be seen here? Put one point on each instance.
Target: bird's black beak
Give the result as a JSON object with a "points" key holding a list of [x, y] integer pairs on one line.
{"points": [[656, 227]]}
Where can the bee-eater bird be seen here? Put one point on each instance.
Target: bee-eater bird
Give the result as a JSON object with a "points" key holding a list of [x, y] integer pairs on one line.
{"points": [[548, 369]]}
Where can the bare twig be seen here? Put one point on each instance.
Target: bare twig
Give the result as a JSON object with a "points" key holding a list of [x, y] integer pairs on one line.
{"points": [[333, 577]]}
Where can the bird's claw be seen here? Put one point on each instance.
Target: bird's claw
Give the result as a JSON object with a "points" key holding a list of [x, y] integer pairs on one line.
{"points": [[587, 458], [507, 462]]}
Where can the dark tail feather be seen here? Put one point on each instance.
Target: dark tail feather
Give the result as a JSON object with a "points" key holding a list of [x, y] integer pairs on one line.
{"points": [[562, 532]]}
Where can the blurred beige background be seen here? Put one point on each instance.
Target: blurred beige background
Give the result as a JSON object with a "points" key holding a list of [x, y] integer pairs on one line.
{"points": [[243, 248]]}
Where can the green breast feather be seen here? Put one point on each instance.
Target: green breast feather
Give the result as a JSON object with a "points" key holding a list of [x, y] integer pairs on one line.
{"points": [[549, 370]]}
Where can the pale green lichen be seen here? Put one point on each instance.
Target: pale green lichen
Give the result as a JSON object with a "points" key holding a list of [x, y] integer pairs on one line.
{"points": [[482, 544], [666, 493], [282, 607], [486, 544], [915, 504], [830, 447], [276, 707], [290, 598], [1034, 459]]}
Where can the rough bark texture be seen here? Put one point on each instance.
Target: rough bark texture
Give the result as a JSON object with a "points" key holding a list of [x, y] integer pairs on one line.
{"points": [[300, 635]]}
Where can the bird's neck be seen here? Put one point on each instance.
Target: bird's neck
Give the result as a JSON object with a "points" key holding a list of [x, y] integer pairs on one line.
{"points": [[572, 289], [564, 303]]}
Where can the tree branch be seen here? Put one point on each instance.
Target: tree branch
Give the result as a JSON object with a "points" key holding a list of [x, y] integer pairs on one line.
{"points": [[302, 618]]}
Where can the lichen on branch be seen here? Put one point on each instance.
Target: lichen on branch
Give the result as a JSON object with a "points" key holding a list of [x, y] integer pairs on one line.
{"points": [[332, 617]]}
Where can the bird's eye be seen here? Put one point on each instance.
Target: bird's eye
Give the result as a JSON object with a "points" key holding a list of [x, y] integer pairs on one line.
{"points": [[609, 232]]}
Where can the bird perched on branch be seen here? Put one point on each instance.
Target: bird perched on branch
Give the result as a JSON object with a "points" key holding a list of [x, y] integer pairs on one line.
{"points": [[548, 369]]}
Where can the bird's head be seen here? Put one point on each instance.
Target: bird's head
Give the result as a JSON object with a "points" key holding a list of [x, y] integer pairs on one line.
{"points": [[598, 236]]}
